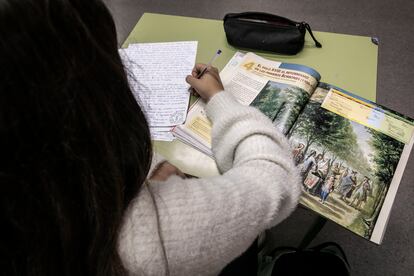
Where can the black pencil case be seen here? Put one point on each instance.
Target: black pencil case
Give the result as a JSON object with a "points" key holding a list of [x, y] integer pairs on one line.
{"points": [[266, 32]]}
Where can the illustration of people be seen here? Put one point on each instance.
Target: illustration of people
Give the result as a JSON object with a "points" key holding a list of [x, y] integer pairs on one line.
{"points": [[361, 193], [322, 172], [327, 188], [348, 184], [336, 172], [353, 187], [298, 153], [344, 174], [308, 164], [323, 166], [313, 177]]}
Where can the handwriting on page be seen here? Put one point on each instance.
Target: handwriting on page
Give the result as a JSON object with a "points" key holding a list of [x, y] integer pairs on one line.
{"points": [[159, 71]]}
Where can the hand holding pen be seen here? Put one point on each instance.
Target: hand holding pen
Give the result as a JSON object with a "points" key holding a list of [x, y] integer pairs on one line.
{"points": [[205, 79], [209, 64]]}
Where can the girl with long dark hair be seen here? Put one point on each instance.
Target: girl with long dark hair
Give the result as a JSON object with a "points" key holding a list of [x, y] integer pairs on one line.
{"points": [[75, 155]]}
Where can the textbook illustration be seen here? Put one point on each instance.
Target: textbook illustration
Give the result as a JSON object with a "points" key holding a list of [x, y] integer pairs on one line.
{"points": [[350, 151]]}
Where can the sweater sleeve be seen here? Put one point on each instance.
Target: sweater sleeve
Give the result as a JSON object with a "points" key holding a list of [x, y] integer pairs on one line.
{"points": [[259, 147], [205, 223]]}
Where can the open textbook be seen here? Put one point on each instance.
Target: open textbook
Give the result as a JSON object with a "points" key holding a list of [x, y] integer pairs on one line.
{"points": [[351, 152]]}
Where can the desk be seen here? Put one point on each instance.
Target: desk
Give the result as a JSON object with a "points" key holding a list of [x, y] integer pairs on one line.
{"points": [[347, 61]]}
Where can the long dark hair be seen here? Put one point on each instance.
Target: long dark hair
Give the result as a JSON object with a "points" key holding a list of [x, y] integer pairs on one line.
{"points": [[74, 144]]}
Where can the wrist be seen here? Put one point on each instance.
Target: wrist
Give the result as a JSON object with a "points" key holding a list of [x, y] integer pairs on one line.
{"points": [[212, 94]]}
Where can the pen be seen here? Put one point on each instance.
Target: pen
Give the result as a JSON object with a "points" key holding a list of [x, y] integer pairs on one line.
{"points": [[209, 64]]}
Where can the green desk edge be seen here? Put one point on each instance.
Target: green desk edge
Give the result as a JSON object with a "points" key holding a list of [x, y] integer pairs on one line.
{"points": [[347, 61]]}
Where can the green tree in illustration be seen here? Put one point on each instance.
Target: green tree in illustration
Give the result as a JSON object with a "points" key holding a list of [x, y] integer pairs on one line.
{"points": [[387, 152], [269, 100], [282, 106], [344, 145], [314, 125], [386, 155], [341, 140], [331, 132], [295, 98], [357, 160]]}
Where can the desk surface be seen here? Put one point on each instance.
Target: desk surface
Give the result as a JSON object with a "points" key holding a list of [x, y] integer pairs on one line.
{"points": [[347, 61]]}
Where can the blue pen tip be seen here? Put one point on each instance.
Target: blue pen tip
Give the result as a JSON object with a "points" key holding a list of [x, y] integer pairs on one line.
{"points": [[218, 52]]}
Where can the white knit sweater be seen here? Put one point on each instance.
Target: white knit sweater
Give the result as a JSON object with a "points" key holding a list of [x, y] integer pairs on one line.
{"points": [[206, 223]]}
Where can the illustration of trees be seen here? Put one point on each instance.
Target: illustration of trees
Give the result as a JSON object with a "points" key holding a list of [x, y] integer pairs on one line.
{"points": [[387, 153], [331, 132], [341, 140], [295, 99], [269, 101], [282, 106], [316, 125]]}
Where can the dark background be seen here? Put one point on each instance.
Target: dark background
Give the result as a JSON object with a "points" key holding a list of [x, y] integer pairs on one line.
{"points": [[392, 22]]}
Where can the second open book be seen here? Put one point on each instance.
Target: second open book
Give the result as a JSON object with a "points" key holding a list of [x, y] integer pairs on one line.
{"points": [[351, 152]]}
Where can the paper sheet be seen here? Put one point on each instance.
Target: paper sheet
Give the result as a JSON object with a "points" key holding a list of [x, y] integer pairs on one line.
{"points": [[161, 135], [159, 71]]}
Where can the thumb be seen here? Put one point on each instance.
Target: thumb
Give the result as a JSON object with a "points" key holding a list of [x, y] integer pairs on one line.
{"points": [[194, 82]]}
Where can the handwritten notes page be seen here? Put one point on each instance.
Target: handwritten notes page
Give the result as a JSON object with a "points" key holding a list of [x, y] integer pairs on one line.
{"points": [[157, 74]]}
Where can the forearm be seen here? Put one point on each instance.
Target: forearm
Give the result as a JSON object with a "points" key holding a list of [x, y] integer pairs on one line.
{"points": [[205, 223], [243, 137]]}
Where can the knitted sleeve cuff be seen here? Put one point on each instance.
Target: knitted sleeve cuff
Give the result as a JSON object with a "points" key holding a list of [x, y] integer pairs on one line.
{"points": [[222, 102]]}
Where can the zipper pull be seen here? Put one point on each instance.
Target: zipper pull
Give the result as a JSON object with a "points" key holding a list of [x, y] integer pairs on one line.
{"points": [[317, 44]]}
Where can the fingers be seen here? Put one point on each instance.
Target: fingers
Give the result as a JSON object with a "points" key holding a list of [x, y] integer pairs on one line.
{"points": [[199, 67], [207, 85], [193, 81], [166, 170], [180, 174]]}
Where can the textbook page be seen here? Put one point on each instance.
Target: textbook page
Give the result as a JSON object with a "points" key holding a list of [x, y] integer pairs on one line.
{"points": [[279, 90], [352, 154]]}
